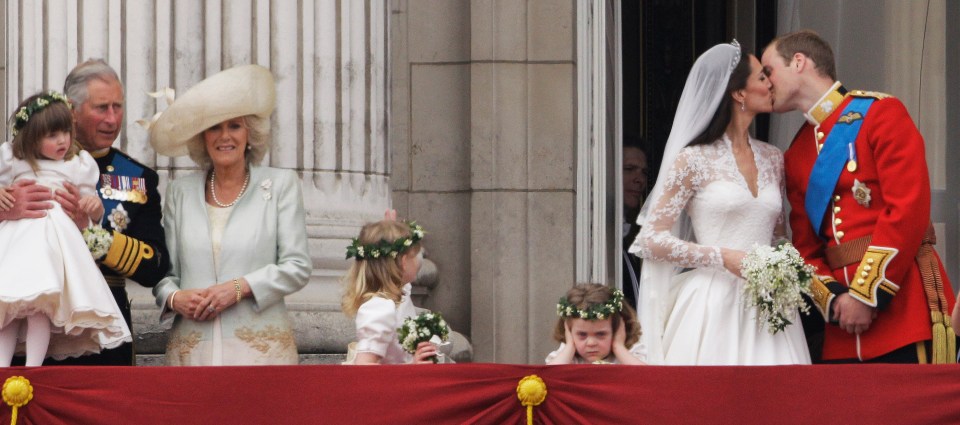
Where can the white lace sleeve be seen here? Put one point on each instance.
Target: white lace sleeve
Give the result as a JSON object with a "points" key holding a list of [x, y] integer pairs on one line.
{"points": [[655, 241]]}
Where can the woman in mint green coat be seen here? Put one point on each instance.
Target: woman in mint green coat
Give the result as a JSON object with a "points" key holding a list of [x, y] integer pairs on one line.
{"points": [[235, 230]]}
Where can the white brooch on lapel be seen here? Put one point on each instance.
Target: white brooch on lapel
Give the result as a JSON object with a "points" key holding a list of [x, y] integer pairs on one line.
{"points": [[119, 219], [265, 187]]}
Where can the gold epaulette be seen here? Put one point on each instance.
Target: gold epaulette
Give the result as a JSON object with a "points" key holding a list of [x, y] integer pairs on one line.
{"points": [[874, 94], [126, 253]]}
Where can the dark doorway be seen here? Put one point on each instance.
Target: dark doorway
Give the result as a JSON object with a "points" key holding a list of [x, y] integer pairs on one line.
{"points": [[661, 39]]}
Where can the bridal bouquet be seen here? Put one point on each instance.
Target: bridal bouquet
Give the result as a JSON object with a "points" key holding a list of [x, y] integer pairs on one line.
{"points": [[427, 326], [776, 278], [98, 240]]}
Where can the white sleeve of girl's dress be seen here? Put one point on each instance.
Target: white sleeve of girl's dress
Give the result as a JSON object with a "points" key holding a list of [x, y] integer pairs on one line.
{"points": [[553, 354], [88, 173], [6, 164], [639, 351], [376, 326]]}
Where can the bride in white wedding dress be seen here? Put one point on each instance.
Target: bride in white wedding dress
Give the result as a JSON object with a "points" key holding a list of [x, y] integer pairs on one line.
{"points": [[719, 193]]}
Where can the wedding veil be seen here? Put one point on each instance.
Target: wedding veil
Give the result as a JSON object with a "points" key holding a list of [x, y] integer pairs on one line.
{"points": [[705, 87]]}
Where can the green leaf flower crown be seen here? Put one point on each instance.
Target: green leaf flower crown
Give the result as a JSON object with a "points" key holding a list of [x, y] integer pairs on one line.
{"points": [[595, 312], [385, 248], [23, 115]]}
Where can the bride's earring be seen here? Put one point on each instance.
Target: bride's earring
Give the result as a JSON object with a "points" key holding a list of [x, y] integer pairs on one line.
{"points": [[743, 106]]}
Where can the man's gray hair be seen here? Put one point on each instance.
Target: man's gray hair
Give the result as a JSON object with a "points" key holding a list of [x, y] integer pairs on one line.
{"points": [[75, 86]]}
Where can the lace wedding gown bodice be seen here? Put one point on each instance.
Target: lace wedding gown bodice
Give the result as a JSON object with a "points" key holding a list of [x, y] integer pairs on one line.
{"points": [[701, 317], [706, 183]]}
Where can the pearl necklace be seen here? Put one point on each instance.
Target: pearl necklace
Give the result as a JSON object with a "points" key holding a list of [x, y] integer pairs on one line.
{"points": [[213, 190]]}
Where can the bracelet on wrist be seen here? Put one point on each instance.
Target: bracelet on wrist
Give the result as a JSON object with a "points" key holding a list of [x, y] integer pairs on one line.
{"points": [[236, 286], [174, 294]]}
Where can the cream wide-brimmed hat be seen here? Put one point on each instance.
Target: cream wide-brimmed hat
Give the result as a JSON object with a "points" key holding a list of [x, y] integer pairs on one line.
{"points": [[235, 92]]}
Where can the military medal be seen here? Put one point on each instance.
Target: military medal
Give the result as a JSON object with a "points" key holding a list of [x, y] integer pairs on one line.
{"points": [[138, 190], [106, 188], [852, 156], [861, 193], [123, 188]]}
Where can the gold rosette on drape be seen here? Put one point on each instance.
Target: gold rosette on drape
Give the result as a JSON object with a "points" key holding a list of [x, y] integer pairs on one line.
{"points": [[531, 391], [17, 392]]}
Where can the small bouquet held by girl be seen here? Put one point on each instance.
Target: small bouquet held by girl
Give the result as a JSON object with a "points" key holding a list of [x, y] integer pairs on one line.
{"points": [[777, 277], [426, 327], [387, 256]]}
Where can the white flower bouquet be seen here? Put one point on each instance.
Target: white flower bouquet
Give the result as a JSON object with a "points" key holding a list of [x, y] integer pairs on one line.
{"points": [[427, 326], [776, 279], [98, 240]]}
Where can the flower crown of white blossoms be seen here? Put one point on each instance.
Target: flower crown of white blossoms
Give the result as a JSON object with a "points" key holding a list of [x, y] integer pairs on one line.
{"points": [[384, 247], [22, 117], [595, 312]]}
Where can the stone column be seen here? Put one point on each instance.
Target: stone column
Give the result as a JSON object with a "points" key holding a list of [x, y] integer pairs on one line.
{"points": [[430, 141], [523, 79]]}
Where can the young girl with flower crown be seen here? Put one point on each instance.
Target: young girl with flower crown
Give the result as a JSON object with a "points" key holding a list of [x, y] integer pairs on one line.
{"points": [[387, 258], [595, 326], [50, 280]]}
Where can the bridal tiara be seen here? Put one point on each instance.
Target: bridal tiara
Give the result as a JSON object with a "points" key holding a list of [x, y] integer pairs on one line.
{"points": [[736, 58]]}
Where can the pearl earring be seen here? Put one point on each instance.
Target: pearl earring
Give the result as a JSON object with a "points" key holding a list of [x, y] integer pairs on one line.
{"points": [[743, 106]]}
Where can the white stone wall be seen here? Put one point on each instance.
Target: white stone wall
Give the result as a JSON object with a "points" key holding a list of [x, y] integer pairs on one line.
{"points": [[483, 142]]}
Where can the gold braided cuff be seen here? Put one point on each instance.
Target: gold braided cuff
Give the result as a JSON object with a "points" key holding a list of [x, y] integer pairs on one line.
{"points": [[126, 253], [236, 286], [871, 276], [821, 294]]}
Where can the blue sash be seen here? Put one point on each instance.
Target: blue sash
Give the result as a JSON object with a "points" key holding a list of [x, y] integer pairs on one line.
{"points": [[834, 154]]}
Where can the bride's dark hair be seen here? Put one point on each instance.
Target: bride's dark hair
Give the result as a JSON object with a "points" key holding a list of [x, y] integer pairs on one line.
{"points": [[721, 118]]}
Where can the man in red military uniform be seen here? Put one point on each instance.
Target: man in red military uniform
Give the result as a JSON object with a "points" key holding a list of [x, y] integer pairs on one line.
{"points": [[859, 190]]}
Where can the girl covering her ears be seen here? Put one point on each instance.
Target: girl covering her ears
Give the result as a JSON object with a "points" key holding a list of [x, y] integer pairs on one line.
{"points": [[50, 281], [595, 326], [387, 258]]}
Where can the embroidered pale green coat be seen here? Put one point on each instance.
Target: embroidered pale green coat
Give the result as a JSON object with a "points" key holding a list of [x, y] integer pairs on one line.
{"points": [[264, 241]]}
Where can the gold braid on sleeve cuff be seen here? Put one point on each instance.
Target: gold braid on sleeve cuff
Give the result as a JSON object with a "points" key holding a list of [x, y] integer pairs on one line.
{"points": [[126, 253], [823, 290], [871, 276]]}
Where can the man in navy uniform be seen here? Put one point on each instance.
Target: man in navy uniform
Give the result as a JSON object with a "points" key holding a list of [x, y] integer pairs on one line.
{"points": [[128, 190]]}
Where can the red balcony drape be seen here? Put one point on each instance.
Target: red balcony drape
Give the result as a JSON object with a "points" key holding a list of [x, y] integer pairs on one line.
{"points": [[486, 394]]}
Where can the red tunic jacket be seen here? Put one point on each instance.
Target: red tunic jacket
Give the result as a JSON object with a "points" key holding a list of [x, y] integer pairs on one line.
{"points": [[892, 166]]}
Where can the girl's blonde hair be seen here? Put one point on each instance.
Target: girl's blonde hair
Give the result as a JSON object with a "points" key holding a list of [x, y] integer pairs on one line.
{"points": [[382, 276], [56, 116], [584, 296]]}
